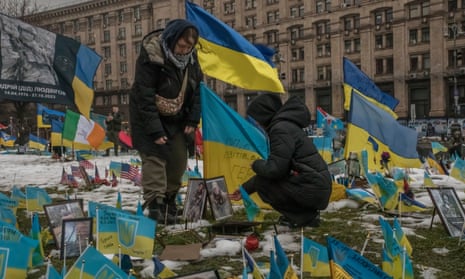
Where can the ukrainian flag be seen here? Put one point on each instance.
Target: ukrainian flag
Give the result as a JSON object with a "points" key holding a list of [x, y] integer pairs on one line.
{"points": [[373, 129], [117, 229], [401, 236], [15, 256], [386, 191], [347, 263], [7, 140], [428, 181], [325, 147], [315, 258], [226, 55], [230, 142], [356, 81], [46, 115], [284, 266], [37, 142], [362, 195], [19, 196], [458, 170], [36, 198], [251, 266], [93, 264], [160, 270]]}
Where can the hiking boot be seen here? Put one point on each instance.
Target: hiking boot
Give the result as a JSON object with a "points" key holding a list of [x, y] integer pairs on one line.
{"points": [[173, 209], [158, 212], [313, 222]]}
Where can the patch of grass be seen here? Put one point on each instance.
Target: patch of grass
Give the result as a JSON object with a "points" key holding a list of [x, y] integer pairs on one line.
{"points": [[346, 225]]}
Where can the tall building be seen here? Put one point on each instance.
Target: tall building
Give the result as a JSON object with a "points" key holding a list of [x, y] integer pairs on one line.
{"points": [[413, 50]]}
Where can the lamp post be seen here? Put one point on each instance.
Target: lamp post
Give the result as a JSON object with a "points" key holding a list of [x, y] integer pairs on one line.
{"points": [[455, 30]]}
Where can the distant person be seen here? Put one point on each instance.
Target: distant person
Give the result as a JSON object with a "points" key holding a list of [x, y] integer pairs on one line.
{"points": [[113, 122], [455, 144], [294, 179], [430, 131], [165, 110]]}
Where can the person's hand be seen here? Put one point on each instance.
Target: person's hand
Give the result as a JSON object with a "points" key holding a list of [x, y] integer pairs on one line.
{"points": [[236, 196], [189, 130], [161, 140]]}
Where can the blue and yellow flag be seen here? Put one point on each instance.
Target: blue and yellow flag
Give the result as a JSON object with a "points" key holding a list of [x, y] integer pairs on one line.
{"points": [[458, 170], [274, 272], [230, 143], [226, 55], [116, 228], [36, 198], [251, 208], [385, 190], [282, 261], [360, 194], [38, 254], [357, 82], [315, 258], [371, 128], [401, 236], [407, 204], [6, 201], [36, 142], [7, 215], [93, 264], [325, 147], [7, 140], [51, 272], [15, 254], [436, 147], [62, 70], [46, 115], [330, 124], [251, 266], [347, 263], [427, 180], [115, 167], [160, 270]]}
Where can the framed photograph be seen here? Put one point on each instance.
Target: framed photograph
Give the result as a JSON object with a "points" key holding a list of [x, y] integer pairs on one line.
{"points": [[209, 274], [76, 235], [57, 212], [196, 198], [218, 197], [337, 167], [449, 208]]}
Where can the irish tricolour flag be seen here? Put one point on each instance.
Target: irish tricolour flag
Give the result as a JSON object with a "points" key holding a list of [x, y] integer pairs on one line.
{"points": [[77, 128]]}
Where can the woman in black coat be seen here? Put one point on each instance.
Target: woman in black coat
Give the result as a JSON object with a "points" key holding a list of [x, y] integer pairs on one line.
{"points": [[294, 179]]}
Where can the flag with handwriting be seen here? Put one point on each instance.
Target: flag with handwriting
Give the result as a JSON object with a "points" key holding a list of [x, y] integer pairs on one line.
{"points": [[347, 263], [357, 82], [19, 196], [93, 264], [44, 67], [36, 198], [315, 258], [230, 142], [116, 228], [226, 55], [160, 270], [371, 128], [36, 142], [78, 128]]}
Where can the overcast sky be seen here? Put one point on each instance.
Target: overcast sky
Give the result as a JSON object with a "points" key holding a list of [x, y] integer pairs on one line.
{"points": [[53, 4]]}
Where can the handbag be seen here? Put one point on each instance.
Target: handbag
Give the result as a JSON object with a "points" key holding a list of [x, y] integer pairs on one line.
{"points": [[170, 107]]}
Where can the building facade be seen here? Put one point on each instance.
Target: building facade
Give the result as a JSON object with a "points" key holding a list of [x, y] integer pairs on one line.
{"points": [[413, 50]]}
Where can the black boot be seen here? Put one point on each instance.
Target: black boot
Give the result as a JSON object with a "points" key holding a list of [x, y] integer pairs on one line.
{"points": [[158, 212], [170, 201]]}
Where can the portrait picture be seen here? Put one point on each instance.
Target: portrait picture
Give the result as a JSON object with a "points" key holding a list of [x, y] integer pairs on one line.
{"points": [[218, 198], [76, 235], [196, 198], [450, 209], [57, 212]]}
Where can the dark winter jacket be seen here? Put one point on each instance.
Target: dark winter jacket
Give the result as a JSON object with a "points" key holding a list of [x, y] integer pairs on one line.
{"points": [[157, 75], [114, 125], [294, 179]]}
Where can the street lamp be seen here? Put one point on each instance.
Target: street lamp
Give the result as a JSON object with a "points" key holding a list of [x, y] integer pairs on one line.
{"points": [[454, 30]]}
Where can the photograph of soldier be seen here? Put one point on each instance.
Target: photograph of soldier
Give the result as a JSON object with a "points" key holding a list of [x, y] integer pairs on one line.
{"points": [[195, 200], [219, 199]]}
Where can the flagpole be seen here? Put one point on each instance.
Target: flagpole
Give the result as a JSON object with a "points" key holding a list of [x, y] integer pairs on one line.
{"points": [[244, 265], [47, 272], [96, 227], [403, 262], [81, 274], [301, 252], [119, 256], [365, 244], [64, 256]]}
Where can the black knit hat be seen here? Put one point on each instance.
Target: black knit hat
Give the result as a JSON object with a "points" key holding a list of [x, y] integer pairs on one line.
{"points": [[264, 107]]}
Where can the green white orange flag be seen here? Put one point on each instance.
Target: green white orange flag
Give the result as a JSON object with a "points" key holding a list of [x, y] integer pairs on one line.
{"points": [[79, 129]]}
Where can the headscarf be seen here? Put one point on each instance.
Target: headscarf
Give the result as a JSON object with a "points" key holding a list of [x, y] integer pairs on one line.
{"points": [[170, 36]]}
